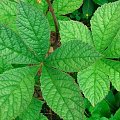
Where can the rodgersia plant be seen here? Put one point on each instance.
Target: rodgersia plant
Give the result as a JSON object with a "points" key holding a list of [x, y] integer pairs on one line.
{"points": [[25, 39]]}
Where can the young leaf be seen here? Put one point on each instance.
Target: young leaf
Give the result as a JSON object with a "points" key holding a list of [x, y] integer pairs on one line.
{"points": [[16, 90], [94, 82], [62, 7], [33, 111], [4, 66], [34, 29], [105, 25], [62, 94], [73, 56], [7, 13], [13, 49], [116, 116], [88, 8], [71, 30]]}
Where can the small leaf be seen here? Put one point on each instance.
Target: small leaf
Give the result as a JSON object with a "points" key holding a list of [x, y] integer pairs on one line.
{"points": [[94, 82], [73, 56], [34, 29], [62, 94], [73, 30], [16, 90], [88, 8], [62, 7]]}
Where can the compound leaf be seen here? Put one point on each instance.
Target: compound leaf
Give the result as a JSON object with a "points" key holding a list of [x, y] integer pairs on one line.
{"points": [[34, 29], [16, 90], [13, 49], [73, 56], [73, 30], [62, 94], [94, 82], [62, 7], [105, 25]]}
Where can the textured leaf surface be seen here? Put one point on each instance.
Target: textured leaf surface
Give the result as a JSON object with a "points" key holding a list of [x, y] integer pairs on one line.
{"points": [[62, 7], [94, 82], [73, 56], [71, 30], [7, 13], [4, 66], [13, 49], [16, 90], [33, 111], [105, 25], [114, 74], [34, 29], [62, 94]]}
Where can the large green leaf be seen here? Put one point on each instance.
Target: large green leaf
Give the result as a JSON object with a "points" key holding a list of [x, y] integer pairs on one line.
{"points": [[105, 26], [33, 111], [94, 82], [13, 49], [62, 94], [73, 56], [34, 29], [62, 7], [114, 73], [4, 66], [16, 90], [71, 30], [8, 13]]}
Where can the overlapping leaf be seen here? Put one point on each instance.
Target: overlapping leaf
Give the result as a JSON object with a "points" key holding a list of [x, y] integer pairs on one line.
{"points": [[73, 56], [13, 49], [71, 30], [34, 29], [114, 72], [105, 27], [16, 90], [62, 7], [94, 82], [62, 94], [33, 111]]}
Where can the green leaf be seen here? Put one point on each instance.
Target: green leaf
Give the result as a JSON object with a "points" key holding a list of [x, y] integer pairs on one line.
{"points": [[8, 13], [13, 49], [34, 29], [88, 8], [73, 56], [94, 82], [73, 30], [62, 94], [33, 111], [105, 25], [4, 66], [100, 2], [16, 90], [114, 73], [62, 7]]}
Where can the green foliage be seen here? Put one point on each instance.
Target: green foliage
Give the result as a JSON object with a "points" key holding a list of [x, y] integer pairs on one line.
{"points": [[93, 53]]}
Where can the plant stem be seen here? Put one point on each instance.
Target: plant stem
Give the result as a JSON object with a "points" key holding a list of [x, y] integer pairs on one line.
{"points": [[55, 21]]}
